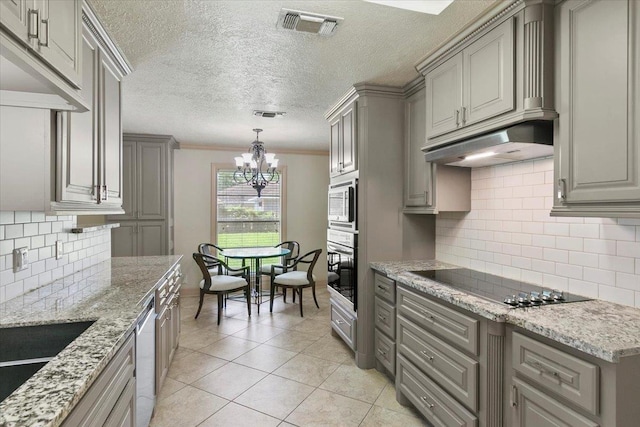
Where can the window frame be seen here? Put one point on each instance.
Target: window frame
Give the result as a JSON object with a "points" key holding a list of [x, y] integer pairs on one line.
{"points": [[213, 205]]}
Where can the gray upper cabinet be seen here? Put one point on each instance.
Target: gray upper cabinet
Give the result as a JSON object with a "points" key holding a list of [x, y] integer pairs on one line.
{"points": [[152, 183], [89, 144], [51, 29], [429, 188], [343, 156], [497, 72], [44, 37], [474, 85], [598, 132]]}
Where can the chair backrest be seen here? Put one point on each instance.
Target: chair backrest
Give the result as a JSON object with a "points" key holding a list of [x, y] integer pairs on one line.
{"points": [[310, 258], [293, 246], [206, 262], [209, 249]]}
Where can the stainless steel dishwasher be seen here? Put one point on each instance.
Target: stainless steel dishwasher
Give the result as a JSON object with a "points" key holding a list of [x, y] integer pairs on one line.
{"points": [[145, 364]]}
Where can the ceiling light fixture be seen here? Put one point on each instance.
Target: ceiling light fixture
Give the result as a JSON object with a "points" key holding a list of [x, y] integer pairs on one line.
{"points": [[269, 114], [432, 7], [257, 168]]}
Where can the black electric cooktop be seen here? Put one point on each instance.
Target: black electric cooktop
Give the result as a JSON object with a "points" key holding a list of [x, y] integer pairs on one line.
{"points": [[499, 289]]}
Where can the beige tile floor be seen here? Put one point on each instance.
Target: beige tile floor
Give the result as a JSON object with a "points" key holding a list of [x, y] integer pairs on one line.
{"points": [[271, 370]]}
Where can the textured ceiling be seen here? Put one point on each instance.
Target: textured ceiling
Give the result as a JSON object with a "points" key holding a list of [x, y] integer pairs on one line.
{"points": [[202, 67]]}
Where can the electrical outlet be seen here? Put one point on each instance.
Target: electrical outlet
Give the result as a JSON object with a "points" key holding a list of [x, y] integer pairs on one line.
{"points": [[59, 249], [20, 259]]}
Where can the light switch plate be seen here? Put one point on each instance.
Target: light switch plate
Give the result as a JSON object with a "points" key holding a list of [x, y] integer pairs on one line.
{"points": [[59, 249], [20, 259]]}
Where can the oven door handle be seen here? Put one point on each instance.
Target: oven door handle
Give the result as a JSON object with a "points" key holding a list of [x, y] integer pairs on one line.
{"points": [[340, 250]]}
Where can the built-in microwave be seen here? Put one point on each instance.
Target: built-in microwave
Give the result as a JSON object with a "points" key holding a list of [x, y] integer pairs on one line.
{"points": [[342, 205]]}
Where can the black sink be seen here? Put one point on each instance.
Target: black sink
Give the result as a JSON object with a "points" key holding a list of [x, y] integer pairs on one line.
{"points": [[26, 349]]}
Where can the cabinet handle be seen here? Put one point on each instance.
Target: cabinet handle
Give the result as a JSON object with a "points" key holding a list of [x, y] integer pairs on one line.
{"points": [[340, 322], [426, 355], [33, 13], [105, 192], [383, 353], [97, 193], [464, 115], [382, 288], [514, 396], [457, 117], [427, 315], [381, 317], [426, 402], [543, 370], [45, 44], [562, 189]]}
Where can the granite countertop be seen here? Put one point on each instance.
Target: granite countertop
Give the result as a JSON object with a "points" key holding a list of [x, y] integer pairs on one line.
{"points": [[112, 294], [602, 329]]}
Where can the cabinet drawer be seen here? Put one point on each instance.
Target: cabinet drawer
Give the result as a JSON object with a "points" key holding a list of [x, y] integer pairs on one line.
{"points": [[534, 408], [557, 371], [455, 327], [162, 293], [455, 372], [385, 351], [433, 402], [385, 317], [385, 288], [343, 323]]}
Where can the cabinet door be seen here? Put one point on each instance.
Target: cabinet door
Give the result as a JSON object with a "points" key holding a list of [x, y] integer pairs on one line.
{"points": [[598, 53], [535, 409], [162, 348], [417, 171], [60, 37], [151, 176], [110, 130], [348, 152], [151, 236], [77, 136], [334, 160], [124, 240], [444, 97], [488, 75], [129, 196], [14, 15]]}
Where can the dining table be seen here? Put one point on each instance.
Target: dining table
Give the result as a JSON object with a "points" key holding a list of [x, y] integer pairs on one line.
{"points": [[255, 255]]}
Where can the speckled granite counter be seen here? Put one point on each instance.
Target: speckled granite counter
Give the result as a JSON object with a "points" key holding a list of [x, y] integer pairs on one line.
{"points": [[602, 329], [111, 293]]}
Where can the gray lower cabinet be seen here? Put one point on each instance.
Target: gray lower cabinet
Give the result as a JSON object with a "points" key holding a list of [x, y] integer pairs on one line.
{"points": [[111, 399], [449, 363], [597, 141], [167, 323], [145, 226], [343, 323], [385, 323]]}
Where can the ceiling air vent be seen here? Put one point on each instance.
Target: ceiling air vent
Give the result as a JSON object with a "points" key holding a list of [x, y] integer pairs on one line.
{"points": [[308, 22], [269, 114]]}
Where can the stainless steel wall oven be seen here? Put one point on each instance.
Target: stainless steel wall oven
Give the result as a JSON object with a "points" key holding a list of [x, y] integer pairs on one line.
{"points": [[342, 250]]}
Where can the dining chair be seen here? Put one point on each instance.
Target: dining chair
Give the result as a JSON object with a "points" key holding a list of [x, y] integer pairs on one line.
{"points": [[214, 251], [296, 280], [286, 262], [221, 284]]}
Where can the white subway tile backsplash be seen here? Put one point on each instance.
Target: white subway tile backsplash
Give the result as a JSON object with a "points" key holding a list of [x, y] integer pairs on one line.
{"points": [[509, 232], [39, 233], [584, 230]]}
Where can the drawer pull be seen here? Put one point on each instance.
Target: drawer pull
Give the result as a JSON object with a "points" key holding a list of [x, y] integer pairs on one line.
{"points": [[381, 317], [426, 402], [382, 288], [427, 315], [544, 370], [382, 352], [426, 355], [340, 322]]}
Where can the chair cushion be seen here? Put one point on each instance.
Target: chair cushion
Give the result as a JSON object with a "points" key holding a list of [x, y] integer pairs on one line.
{"points": [[214, 272], [224, 283], [332, 276], [266, 269], [293, 278]]}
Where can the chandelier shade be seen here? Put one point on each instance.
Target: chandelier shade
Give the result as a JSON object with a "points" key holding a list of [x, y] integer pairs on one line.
{"points": [[257, 168]]}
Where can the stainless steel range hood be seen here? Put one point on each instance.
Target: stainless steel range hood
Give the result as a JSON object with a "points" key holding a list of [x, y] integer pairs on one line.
{"points": [[523, 141]]}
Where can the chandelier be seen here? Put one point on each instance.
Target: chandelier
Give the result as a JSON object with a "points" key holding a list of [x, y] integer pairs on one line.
{"points": [[257, 168]]}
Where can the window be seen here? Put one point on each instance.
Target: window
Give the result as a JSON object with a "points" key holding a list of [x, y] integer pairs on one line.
{"points": [[242, 219]]}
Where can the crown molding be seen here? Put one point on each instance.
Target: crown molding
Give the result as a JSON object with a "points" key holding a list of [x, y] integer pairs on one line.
{"points": [[184, 146]]}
